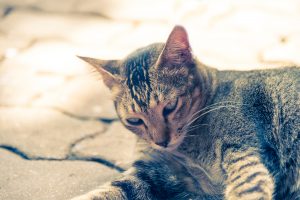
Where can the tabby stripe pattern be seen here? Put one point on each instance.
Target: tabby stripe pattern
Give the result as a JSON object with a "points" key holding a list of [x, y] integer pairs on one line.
{"points": [[139, 83], [247, 178]]}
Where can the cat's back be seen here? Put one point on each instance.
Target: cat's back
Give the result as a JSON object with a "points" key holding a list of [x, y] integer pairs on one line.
{"points": [[274, 87], [267, 76], [270, 105]]}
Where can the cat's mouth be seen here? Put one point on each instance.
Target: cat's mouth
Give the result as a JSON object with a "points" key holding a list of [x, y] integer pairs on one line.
{"points": [[172, 145], [169, 148]]}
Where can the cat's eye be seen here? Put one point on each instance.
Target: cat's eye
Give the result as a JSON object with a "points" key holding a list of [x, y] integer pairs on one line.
{"points": [[134, 121], [170, 107]]}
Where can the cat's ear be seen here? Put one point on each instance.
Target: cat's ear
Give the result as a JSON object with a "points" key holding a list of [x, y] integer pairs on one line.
{"points": [[177, 50], [107, 70]]}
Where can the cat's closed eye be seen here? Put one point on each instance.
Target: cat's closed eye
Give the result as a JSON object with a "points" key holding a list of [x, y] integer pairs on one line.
{"points": [[135, 121], [170, 107]]}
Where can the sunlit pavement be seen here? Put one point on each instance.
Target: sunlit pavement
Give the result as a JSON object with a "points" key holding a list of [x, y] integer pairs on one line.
{"points": [[59, 136]]}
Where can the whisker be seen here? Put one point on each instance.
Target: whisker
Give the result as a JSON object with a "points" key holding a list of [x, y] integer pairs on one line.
{"points": [[202, 114], [214, 104], [198, 125], [211, 106], [195, 127], [185, 162]]}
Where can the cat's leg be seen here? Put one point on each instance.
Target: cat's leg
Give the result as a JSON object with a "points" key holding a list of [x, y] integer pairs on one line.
{"points": [[247, 177], [153, 178], [127, 188]]}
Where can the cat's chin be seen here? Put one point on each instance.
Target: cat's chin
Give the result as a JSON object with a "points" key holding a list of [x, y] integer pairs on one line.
{"points": [[157, 147], [170, 148], [173, 146]]}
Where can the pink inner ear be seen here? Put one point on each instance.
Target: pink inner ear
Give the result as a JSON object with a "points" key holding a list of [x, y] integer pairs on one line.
{"points": [[177, 49], [178, 39]]}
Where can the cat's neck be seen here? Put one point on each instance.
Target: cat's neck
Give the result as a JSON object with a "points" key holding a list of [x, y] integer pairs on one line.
{"points": [[207, 83], [199, 136]]}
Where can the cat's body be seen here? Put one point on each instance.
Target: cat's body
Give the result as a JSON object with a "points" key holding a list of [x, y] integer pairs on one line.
{"points": [[229, 134], [257, 110]]}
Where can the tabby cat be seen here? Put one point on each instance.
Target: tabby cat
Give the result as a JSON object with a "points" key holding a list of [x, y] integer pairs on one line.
{"points": [[213, 134]]}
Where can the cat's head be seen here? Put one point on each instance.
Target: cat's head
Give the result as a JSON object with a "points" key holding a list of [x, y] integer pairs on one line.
{"points": [[155, 89]]}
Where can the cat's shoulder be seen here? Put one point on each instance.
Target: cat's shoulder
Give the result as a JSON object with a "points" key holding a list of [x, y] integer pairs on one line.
{"points": [[259, 76]]}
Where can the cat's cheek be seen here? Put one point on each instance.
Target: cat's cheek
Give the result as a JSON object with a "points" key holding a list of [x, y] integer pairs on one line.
{"points": [[138, 131], [179, 119], [135, 130]]}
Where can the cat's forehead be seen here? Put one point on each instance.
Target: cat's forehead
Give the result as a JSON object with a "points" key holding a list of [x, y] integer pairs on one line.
{"points": [[138, 77], [145, 85], [144, 56]]}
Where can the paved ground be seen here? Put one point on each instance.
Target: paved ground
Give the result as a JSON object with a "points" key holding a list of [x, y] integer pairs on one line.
{"points": [[59, 136]]}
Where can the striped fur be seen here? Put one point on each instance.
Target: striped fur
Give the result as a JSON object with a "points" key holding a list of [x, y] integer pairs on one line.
{"points": [[247, 177], [232, 135]]}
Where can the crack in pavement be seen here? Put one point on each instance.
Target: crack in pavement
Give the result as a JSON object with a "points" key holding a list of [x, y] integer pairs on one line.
{"points": [[73, 156], [83, 118], [7, 10], [89, 136], [70, 156], [33, 8], [101, 161], [97, 160]]}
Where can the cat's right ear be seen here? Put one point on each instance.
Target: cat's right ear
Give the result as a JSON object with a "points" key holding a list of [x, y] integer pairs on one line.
{"points": [[107, 70], [177, 50]]}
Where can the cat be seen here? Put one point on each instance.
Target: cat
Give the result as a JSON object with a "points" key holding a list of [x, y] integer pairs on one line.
{"points": [[212, 134]]}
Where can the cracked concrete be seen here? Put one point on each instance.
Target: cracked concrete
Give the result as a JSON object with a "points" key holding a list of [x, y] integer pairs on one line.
{"points": [[82, 96], [59, 133], [123, 139], [41, 143], [43, 132], [44, 179]]}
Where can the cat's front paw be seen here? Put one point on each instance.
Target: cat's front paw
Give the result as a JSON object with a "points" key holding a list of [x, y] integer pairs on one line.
{"points": [[107, 192]]}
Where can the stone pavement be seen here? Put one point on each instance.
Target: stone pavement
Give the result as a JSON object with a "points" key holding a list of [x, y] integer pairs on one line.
{"points": [[59, 135]]}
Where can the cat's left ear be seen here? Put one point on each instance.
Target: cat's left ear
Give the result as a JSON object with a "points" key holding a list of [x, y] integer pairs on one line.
{"points": [[177, 50], [108, 70]]}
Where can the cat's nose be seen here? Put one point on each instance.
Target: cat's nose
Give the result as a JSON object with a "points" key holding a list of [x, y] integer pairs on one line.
{"points": [[162, 144]]}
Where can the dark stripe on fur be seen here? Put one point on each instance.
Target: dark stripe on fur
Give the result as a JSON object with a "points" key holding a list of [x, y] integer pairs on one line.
{"points": [[226, 147], [128, 188], [249, 179], [133, 108], [138, 80], [248, 165], [256, 188], [240, 158], [236, 178]]}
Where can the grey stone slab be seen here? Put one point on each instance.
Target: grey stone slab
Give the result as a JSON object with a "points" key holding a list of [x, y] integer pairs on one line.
{"points": [[43, 132], [21, 3], [48, 180], [21, 86], [141, 35], [67, 83], [135, 10], [117, 144], [233, 34], [83, 96], [85, 30], [116, 9], [10, 46], [34, 24], [49, 57]]}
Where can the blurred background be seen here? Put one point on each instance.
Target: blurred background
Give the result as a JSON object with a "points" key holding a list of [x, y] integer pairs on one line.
{"points": [[59, 136]]}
